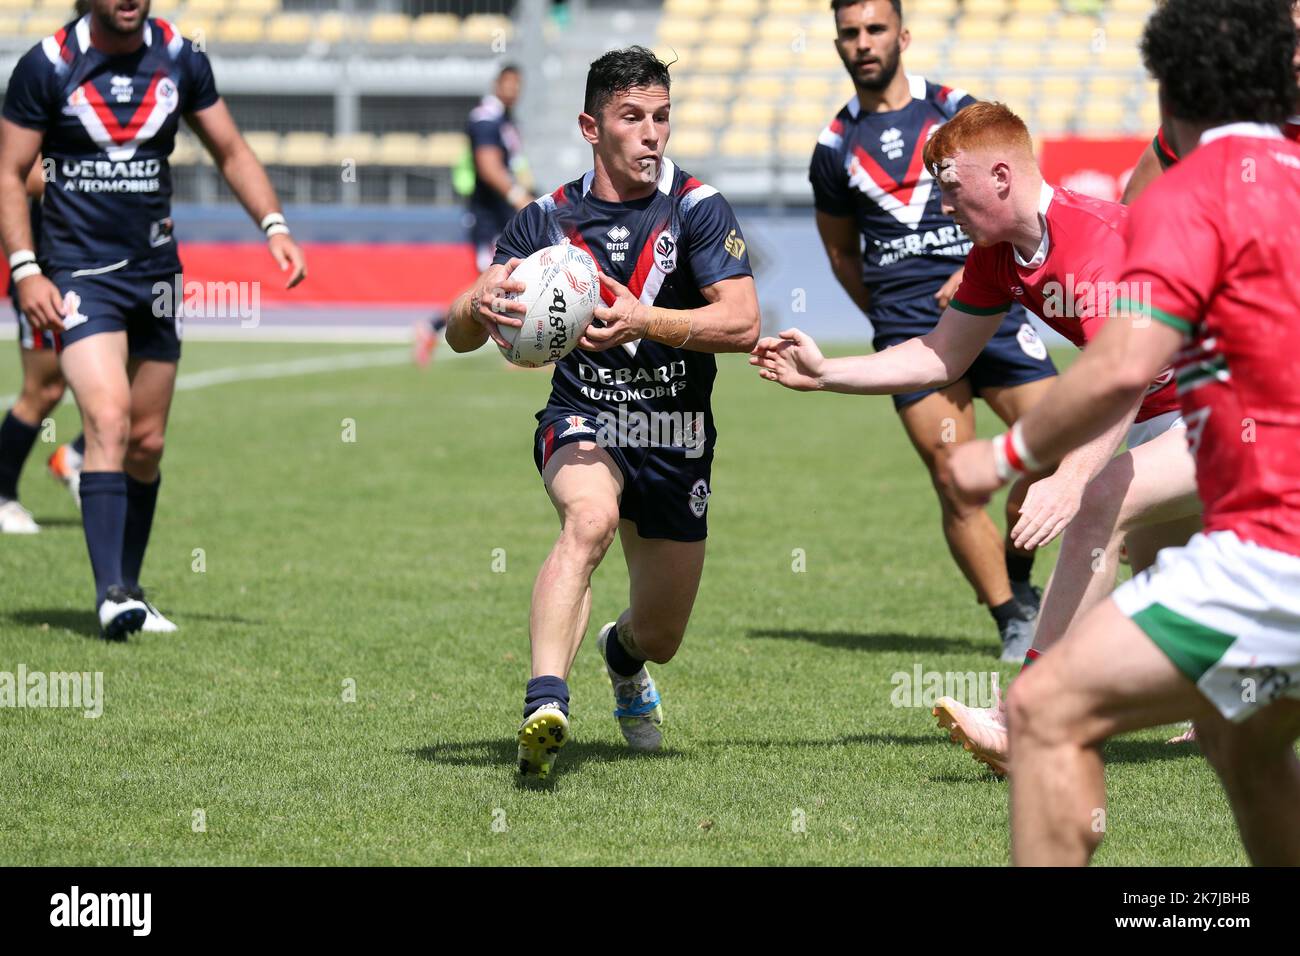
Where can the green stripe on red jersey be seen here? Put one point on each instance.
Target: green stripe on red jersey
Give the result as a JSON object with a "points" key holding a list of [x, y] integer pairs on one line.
{"points": [[978, 310]]}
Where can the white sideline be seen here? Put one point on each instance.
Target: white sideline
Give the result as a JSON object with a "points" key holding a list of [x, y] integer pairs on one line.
{"points": [[305, 366]]}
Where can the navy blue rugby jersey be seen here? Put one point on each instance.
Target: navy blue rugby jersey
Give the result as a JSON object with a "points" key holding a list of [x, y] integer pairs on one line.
{"points": [[664, 248], [109, 123], [869, 166]]}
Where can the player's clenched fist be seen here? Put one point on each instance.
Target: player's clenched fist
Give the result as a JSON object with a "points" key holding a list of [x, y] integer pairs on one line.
{"points": [[623, 320], [41, 302], [793, 360], [968, 475], [488, 305]]}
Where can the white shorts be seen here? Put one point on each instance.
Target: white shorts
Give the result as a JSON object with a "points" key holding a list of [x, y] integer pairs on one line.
{"points": [[1227, 614], [1151, 429]]}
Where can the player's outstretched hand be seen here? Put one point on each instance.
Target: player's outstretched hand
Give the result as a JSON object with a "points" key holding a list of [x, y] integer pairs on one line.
{"points": [[1049, 507], [289, 257], [624, 319], [39, 300], [969, 475], [488, 305], [793, 360]]}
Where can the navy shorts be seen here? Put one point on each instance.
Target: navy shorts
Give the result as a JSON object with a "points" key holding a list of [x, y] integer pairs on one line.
{"points": [[1016, 355], [142, 306], [665, 490]]}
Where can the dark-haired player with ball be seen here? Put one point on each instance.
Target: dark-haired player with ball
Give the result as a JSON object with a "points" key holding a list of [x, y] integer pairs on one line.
{"points": [[677, 288]]}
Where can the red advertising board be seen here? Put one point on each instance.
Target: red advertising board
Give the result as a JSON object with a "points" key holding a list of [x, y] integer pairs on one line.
{"points": [[1094, 167]]}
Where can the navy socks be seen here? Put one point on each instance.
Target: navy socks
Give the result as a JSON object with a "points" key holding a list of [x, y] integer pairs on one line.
{"points": [[103, 516], [620, 661], [140, 501], [16, 440], [546, 690]]}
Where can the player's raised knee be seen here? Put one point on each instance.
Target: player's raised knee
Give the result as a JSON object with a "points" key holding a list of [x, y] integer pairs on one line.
{"points": [[659, 642], [146, 448], [590, 526]]}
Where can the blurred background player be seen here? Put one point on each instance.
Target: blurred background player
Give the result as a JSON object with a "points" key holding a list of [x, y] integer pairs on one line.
{"points": [[677, 288], [899, 258], [102, 99], [42, 390], [501, 185], [1212, 632]]}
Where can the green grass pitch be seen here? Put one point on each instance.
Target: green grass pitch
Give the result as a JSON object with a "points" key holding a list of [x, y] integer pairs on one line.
{"points": [[331, 564]]}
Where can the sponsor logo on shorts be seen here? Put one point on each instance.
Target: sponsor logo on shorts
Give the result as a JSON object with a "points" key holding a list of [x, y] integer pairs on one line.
{"points": [[72, 316], [699, 500], [1030, 343]]}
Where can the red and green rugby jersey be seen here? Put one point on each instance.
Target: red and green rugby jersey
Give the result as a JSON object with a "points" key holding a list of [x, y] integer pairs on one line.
{"points": [[1216, 241], [1071, 281]]}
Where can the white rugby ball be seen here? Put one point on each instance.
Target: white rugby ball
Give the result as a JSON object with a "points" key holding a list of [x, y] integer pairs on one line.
{"points": [[561, 290]]}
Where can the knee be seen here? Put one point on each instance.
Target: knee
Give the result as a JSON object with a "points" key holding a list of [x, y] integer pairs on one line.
{"points": [[107, 426], [42, 397], [145, 447], [1031, 714], [589, 530]]}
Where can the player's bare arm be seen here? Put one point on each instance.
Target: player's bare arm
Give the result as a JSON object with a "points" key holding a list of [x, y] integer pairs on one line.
{"points": [[729, 323], [1146, 172], [474, 316], [927, 361], [1052, 502], [489, 167], [241, 168], [843, 244], [38, 298], [1097, 392]]}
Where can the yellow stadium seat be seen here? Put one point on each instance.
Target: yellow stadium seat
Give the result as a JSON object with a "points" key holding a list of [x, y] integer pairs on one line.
{"points": [[289, 28], [922, 58], [781, 29], [811, 88], [691, 143], [1016, 98], [986, 8], [938, 8], [1029, 28], [704, 86], [436, 28], [1123, 29], [401, 149], [728, 31], [265, 146], [764, 87], [978, 30], [486, 28], [54, 8], [207, 8], [687, 8], [1081, 29], [772, 57], [709, 113], [926, 29], [1069, 55], [747, 9], [40, 25], [1149, 113], [786, 7], [1101, 116], [1141, 8], [332, 27], [792, 142], [819, 58], [750, 144], [1119, 57], [1039, 7], [261, 7], [752, 113], [446, 149], [14, 6], [1057, 87], [718, 59], [304, 149], [237, 28], [1018, 55], [1112, 87], [359, 148], [389, 28], [10, 26], [971, 56], [680, 30], [809, 115]]}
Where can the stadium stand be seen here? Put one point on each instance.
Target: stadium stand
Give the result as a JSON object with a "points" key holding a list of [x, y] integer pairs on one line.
{"points": [[386, 84]]}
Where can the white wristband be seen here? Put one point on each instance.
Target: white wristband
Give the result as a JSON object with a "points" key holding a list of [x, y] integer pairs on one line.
{"points": [[1006, 472], [277, 229], [270, 219], [20, 257], [1018, 443], [24, 271]]}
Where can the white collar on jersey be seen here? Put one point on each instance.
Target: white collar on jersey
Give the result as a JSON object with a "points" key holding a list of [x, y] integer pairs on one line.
{"points": [[1252, 130], [915, 85], [1045, 195], [83, 33], [667, 171]]}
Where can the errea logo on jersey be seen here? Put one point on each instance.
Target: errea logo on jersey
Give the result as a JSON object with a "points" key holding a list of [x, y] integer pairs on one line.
{"points": [[616, 243], [121, 89]]}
